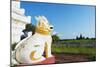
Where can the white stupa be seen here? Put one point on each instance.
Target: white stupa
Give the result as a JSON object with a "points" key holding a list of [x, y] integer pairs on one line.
{"points": [[18, 20]]}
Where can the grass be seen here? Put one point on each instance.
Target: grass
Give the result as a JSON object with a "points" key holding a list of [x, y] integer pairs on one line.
{"points": [[80, 41], [61, 48], [74, 50]]}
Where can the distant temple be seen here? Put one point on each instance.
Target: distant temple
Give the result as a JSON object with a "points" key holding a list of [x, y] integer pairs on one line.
{"points": [[18, 21]]}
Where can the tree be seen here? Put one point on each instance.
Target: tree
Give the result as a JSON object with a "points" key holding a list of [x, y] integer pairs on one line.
{"points": [[30, 27], [55, 37], [77, 37], [81, 37], [87, 37]]}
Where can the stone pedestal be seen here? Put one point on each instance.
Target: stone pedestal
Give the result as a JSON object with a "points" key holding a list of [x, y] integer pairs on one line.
{"points": [[50, 60]]}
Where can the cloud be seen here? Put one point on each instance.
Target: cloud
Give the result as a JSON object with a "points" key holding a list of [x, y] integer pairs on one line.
{"points": [[54, 33]]}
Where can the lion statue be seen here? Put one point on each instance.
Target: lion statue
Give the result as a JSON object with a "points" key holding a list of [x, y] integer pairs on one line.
{"points": [[31, 49]]}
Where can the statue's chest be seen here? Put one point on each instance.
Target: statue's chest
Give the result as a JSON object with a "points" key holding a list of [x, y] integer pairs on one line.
{"points": [[33, 43]]}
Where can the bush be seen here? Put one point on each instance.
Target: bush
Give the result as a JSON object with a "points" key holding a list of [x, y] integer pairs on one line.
{"points": [[13, 46]]}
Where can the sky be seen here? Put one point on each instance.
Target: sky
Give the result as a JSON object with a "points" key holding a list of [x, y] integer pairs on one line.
{"points": [[69, 20]]}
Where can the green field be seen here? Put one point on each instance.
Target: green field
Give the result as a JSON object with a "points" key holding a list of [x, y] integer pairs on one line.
{"points": [[87, 50], [80, 41], [72, 49]]}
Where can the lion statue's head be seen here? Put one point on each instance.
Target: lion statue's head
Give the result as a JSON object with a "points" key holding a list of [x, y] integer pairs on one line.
{"points": [[43, 26]]}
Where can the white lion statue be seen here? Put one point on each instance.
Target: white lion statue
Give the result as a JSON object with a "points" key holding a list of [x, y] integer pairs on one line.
{"points": [[31, 49]]}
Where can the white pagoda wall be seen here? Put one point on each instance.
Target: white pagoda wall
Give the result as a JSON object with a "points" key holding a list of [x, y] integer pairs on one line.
{"points": [[19, 20]]}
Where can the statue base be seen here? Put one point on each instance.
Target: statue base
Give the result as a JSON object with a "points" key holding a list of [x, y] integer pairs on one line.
{"points": [[50, 60]]}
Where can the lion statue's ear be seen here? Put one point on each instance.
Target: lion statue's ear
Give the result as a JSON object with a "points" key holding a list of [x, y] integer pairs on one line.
{"points": [[45, 19], [38, 18]]}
